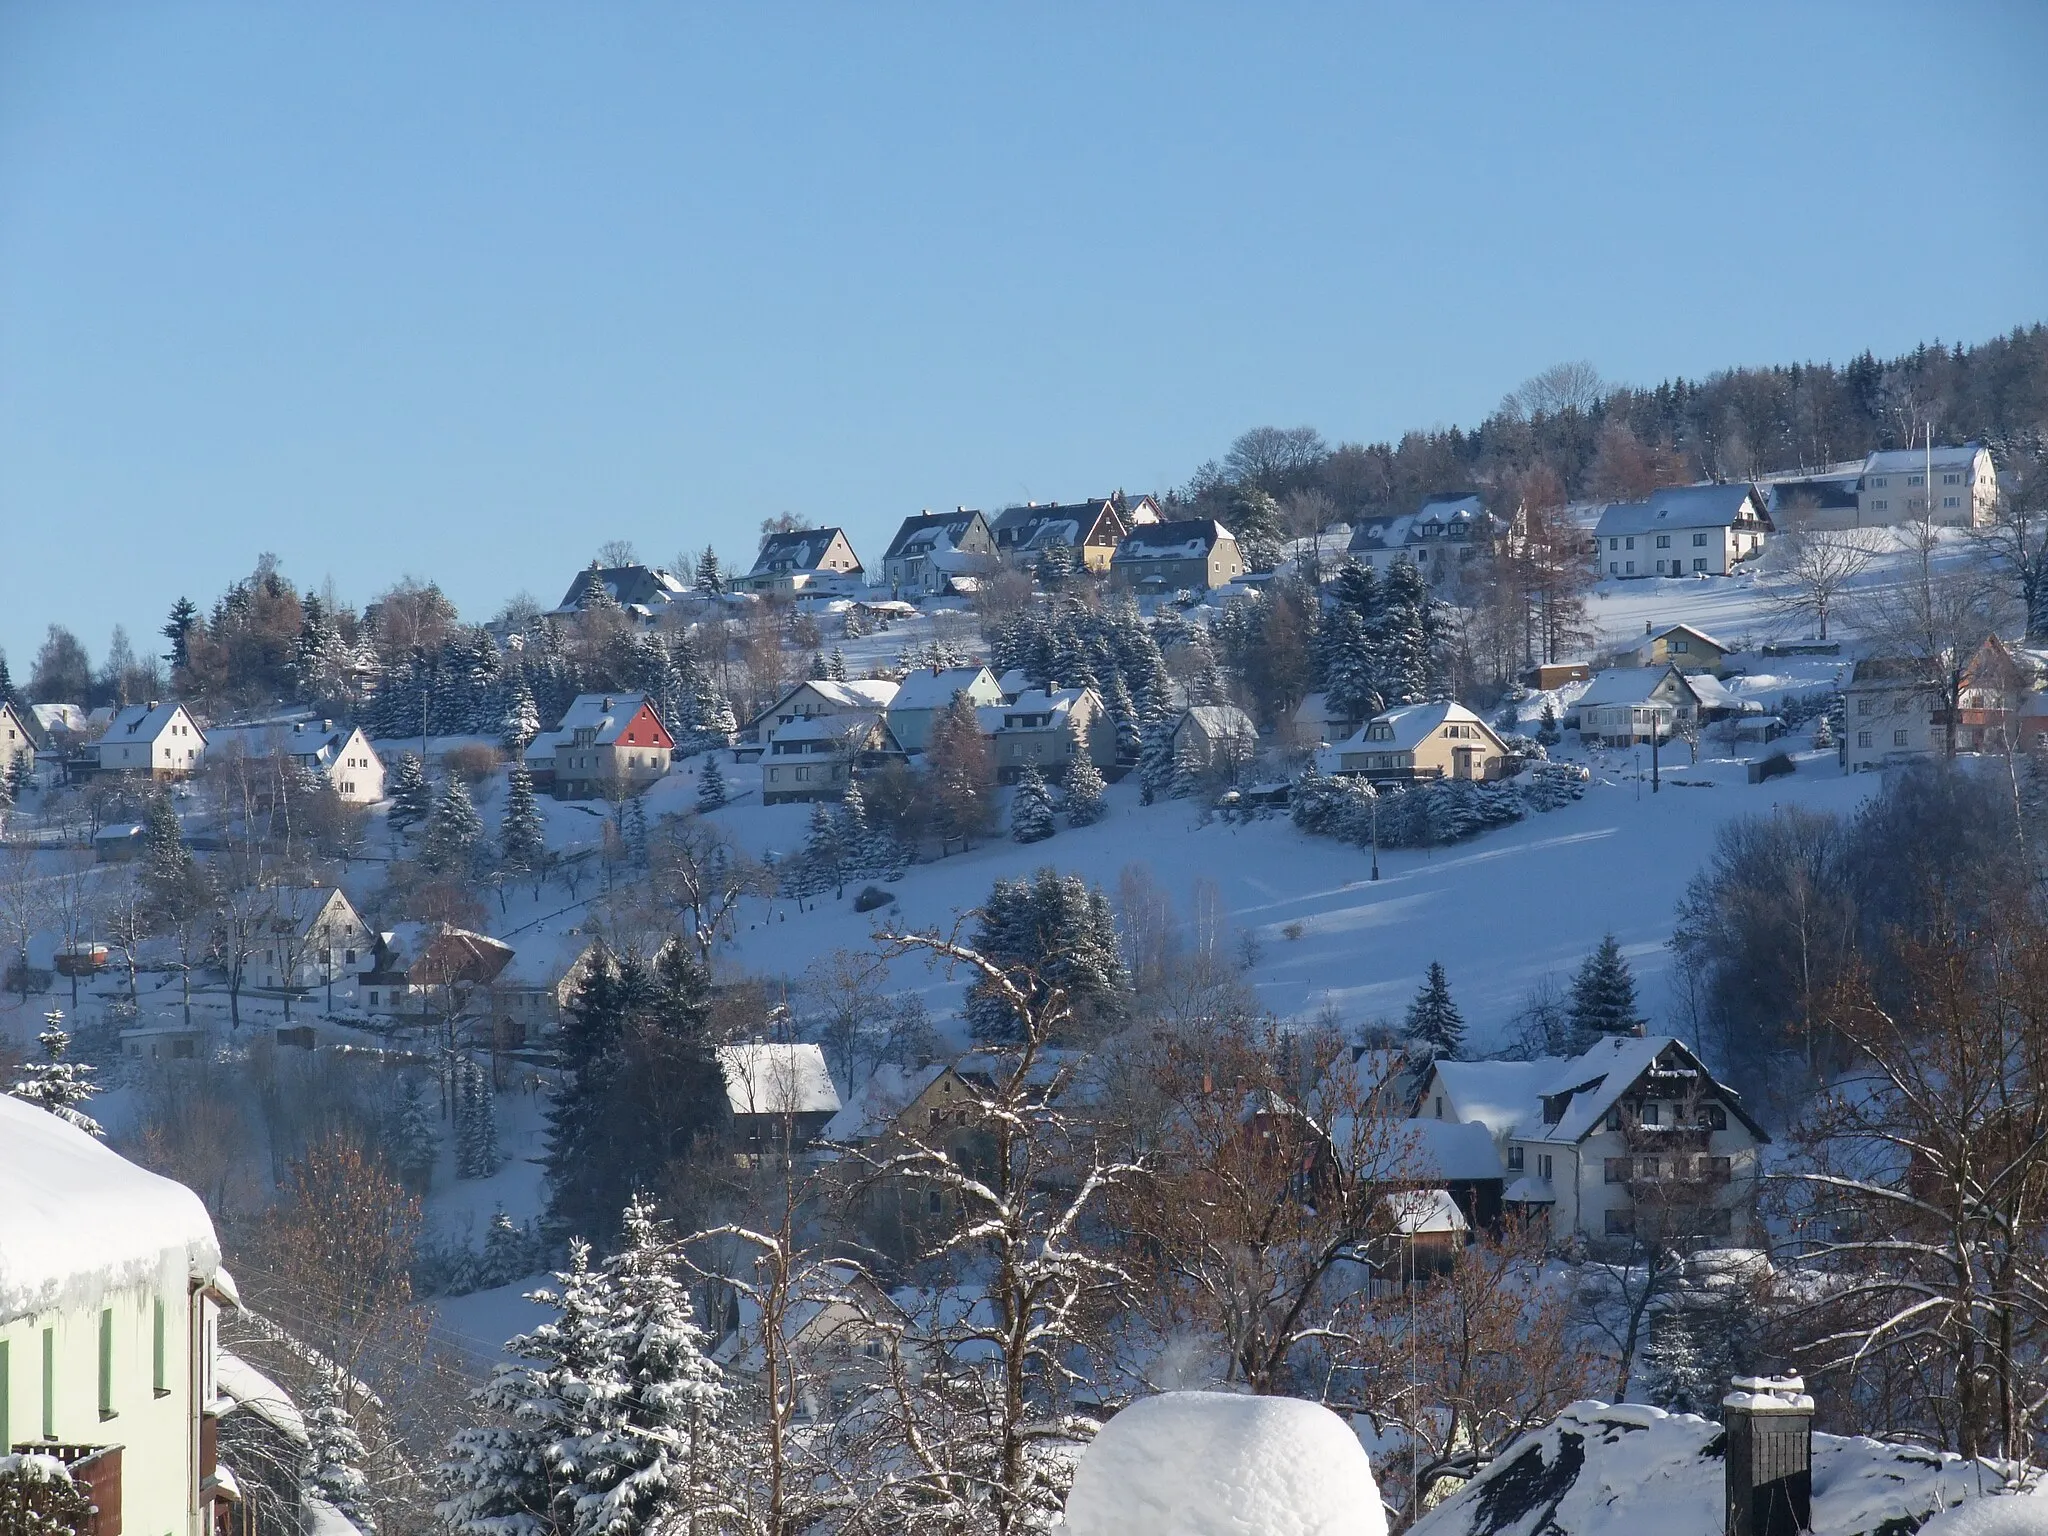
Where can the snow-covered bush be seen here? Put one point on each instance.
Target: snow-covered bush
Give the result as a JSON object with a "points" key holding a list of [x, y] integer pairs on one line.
{"points": [[1431, 813]]}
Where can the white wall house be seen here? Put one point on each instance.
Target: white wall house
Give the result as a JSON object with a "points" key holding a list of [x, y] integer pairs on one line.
{"points": [[315, 941], [156, 740], [339, 756], [1625, 705], [1895, 487], [1632, 1138], [1888, 710], [1688, 530], [110, 1281]]}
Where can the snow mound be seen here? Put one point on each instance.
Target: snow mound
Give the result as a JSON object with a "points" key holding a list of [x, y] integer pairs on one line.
{"points": [[1992, 1517], [81, 1220], [1210, 1464]]}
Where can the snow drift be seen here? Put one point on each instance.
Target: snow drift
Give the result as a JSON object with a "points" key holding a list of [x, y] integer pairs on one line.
{"points": [[1210, 1464]]}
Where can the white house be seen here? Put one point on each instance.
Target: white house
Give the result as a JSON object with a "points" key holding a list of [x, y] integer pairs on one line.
{"points": [[110, 1288], [20, 737], [156, 740], [314, 941], [1634, 1137], [340, 756], [1688, 530], [1888, 713], [1895, 487], [814, 758], [1625, 705], [1436, 740]]}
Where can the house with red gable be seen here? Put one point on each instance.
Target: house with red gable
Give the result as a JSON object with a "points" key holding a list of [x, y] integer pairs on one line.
{"points": [[609, 745]]}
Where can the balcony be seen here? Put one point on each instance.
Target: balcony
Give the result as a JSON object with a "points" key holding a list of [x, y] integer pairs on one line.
{"points": [[96, 1469]]}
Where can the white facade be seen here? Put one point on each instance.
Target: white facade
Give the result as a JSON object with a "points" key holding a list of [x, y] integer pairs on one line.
{"points": [[1687, 530], [315, 940], [108, 1283], [159, 740], [1895, 487], [1888, 710]]}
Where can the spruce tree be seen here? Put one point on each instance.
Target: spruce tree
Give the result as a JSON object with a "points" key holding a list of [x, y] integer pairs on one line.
{"points": [[1434, 1024], [412, 797], [1058, 931], [522, 718], [178, 630], [656, 1455], [1156, 765], [476, 1122], [711, 792], [1130, 737], [453, 831], [1031, 807], [508, 1475], [522, 833], [56, 1084], [1604, 995], [412, 1140], [1547, 733], [835, 665], [822, 853], [1083, 784], [335, 1455], [506, 1255], [710, 579]]}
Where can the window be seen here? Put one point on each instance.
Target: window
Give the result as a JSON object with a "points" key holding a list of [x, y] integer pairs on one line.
{"points": [[1679, 646], [1898, 738], [1699, 565], [1863, 739], [1614, 543], [1629, 544], [1515, 1159], [1879, 505], [1951, 479], [1699, 541], [938, 1201], [1951, 501], [1616, 1170], [1631, 567], [1650, 1114], [1719, 1170], [1614, 1119], [1865, 706], [1663, 541], [1648, 1168], [1912, 479], [1878, 482], [1620, 1223], [1713, 1117], [157, 1383], [1614, 567], [1543, 1166], [1439, 1106]]}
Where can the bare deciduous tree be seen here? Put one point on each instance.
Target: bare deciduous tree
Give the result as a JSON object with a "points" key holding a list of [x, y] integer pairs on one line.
{"points": [[1818, 568]]}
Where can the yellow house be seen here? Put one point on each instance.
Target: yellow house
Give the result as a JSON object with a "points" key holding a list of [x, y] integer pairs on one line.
{"points": [[110, 1280], [1683, 647], [1438, 740]]}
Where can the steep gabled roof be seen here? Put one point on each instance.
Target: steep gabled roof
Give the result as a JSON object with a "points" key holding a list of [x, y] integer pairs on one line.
{"points": [[608, 714], [770, 1078], [928, 530], [1412, 725], [631, 586], [1631, 685], [146, 722], [1188, 539], [799, 550], [1036, 527], [933, 688]]}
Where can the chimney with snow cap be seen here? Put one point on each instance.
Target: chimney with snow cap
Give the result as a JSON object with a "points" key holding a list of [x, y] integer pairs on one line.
{"points": [[1769, 1457]]}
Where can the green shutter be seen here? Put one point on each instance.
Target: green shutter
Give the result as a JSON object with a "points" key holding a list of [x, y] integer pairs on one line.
{"points": [[49, 1383], [6, 1424], [106, 1362], [156, 1351]]}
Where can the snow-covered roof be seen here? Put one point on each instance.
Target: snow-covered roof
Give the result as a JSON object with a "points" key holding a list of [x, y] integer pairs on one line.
{"points": [[799, 550], [1529, 1190], [1416, 1212], [607, 714], [768, 1078], [1905, 461], [844, 726], [245, 1387], [641, 587], [1219, 720], [1715, 694], [1496, 1094], [80, 1220], [1413, 724], [58, 717], [542, 959], [1187, 539], [1597, 1470], [1685, 631], [1630, 685], [931, 530], [1680, 506], [933, 688], [888, 1091], [146, 722], [1448, 1149]]}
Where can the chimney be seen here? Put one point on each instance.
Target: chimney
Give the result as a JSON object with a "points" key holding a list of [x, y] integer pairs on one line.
{"points": [[1769, 1458]]}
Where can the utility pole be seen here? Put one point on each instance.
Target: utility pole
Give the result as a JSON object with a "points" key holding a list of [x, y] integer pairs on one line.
{"points": [[1375, 831]]}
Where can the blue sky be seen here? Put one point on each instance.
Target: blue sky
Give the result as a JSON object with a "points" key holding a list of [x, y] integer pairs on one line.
{"points": [[462, 290]]}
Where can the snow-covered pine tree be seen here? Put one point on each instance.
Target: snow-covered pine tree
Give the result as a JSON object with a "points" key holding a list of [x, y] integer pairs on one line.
{"points": [[508, 1475], [1083, 784], [1255, 519], [522, 717], [1547, 733], [1129, 737], [453, 831], [508, 1251], [592, 595], [1435, 1027], [822, 852], [1604, 995], [1055, 565], [335, 1455], [57, 1084], [412, 797], [658, 1455], [856, 838], [710, 579], [1156, 764], [522, 833], [476, 1122], [412, 1139], [1823, 732], [1403, 636], [1062, 932], [819, 672], [835, 665], [1031, 807], [711, 793]]}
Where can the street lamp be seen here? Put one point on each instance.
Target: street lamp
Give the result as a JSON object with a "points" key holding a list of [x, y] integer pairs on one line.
{"points": [[1375, 830]]}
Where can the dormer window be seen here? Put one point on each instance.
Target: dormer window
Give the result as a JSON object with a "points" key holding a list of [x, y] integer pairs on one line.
{"points": [[1379, 733]]}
